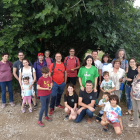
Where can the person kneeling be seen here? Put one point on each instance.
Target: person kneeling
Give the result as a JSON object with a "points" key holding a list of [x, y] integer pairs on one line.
{"points": [[86, 102], [112, 114], [71, 102]]}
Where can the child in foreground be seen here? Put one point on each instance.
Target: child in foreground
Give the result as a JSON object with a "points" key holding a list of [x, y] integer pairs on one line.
{"points": [[107, 85], [44, 86], [102, 103], [71, 103], [112, 115], [26, 94]]}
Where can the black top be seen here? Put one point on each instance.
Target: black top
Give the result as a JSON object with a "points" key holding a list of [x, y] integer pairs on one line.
{"points": [[71, 100], [131, 74], [87, 97]]}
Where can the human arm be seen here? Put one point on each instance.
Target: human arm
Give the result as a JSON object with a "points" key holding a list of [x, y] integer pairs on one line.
{"points": [[104, 117], [95, 84], [102, 90], [120, 121], [65, 80], [66, 105], [131, 93], [41, 88], [20, 82], [14, 73], [128, 79], [113, 89], [100, 75], [80, 82]]}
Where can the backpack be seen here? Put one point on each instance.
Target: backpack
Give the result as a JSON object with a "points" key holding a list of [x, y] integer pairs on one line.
{"points": [[31, 70], [75, 60], [125, 60]]}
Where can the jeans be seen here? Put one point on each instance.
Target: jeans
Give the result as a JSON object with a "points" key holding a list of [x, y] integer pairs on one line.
{"points": [[36, 90], [44, 106], [56, 93], [128, 97], [3, 91], [82, 114]]}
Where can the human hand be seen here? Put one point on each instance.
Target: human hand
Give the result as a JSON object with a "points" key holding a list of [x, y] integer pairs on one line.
{"points": [[91, 109], [82, 88], [95, 90], [79, 111], [102, 105], [22, 88], [23, 97], [30, 87], [100, 82], [120, 80]]}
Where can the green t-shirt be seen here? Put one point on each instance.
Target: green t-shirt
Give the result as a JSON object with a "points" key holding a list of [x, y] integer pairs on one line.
{"points": [[88, 74]]}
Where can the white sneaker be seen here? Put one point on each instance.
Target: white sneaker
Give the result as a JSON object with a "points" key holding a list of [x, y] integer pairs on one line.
{"points": [[133, 125]]}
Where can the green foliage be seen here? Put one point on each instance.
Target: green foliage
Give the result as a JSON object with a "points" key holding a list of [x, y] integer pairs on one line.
{"points": [[57, 25]]}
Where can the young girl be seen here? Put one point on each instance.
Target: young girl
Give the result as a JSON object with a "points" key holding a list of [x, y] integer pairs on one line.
{"points": [[112, 114], [71, 101], [26, 94]]}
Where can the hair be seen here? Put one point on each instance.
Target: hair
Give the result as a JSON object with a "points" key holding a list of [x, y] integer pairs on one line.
{"points": [[89, 82], [58, 53], [105, 73], [47, 51], [95, 51], [138, 65], [70, 85], [117, 60], [117, 53], [25, 59], [106, 55], [71, 49], [107, 93], [5, 53], [133, 59], [114, 97], [85, 61], [26, 78], [45, 70], [20, 52]]}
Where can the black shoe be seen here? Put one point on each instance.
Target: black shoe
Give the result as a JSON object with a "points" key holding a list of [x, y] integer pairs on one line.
{"points": [[105, 129], [66, 118], [35, 107]]}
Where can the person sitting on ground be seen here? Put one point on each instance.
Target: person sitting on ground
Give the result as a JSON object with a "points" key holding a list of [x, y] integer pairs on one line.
{"points": [[86, 102], [71, 103], [44, 86], [112, 115], [107, 85], [102, 103]]}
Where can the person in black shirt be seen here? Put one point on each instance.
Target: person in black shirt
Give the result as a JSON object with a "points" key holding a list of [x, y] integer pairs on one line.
{"points": [[132, 72], [71, 103], [86, 102]]}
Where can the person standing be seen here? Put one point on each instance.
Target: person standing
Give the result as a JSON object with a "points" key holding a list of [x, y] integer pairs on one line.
{"points": [[72, 64], [49, 60], [6, 79], [59, 78]]}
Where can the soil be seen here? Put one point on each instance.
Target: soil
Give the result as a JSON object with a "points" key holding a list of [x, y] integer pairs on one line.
{"points": [[17, 126]]}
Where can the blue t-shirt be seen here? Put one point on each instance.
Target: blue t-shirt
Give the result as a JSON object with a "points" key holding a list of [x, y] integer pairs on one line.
{"points": [[26, 91]]}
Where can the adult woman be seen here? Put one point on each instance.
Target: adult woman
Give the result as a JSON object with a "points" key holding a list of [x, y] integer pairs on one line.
{"points": [[132, 72], [88, 72], [6, 79], [135, 96], [47, 58], [28, 71], [116, 74]]}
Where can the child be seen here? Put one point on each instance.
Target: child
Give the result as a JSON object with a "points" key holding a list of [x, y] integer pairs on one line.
{"points": [[103, 102], [44, 86], [71, 101], [107, 85], [112, 114], [26, 94]]}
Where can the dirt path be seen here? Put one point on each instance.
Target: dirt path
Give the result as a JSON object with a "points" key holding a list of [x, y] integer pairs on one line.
{"points": [[17, 126]]}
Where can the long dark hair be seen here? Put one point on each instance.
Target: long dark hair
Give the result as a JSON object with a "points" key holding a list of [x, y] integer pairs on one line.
{"points": [[85, 60], [70, 85], [105, 55]]}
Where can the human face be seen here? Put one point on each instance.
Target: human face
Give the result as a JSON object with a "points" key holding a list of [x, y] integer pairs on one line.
{"points": [[20, 56], [117, 65], [113, 102], [40, 57], [47, 54], [106, 77], [94, 55], [72, 52], [25, 63], [89, 62], [70, 89], [5, 58], [121, 54], [106, 97], [58, 57], [105, 59], [45, 75], [138, 69], [26, 82], [132, 63], [89, 87]]}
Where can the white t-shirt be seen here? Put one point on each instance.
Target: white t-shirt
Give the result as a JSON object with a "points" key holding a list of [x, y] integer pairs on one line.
{"points": [[107, 85], [98, 64], [106, 67], [102, 108]]}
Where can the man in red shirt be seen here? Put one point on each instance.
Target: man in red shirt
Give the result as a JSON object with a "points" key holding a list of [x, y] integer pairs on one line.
{"points": [[59, 78], [72, 64]]}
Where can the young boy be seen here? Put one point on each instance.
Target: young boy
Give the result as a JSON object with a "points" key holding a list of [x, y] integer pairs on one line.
{"points": [[107, 85], [102, 103], [112, 114], [44, 86]]}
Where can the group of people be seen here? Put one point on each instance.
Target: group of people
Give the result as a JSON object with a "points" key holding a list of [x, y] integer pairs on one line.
{"points": [[48, 78]]}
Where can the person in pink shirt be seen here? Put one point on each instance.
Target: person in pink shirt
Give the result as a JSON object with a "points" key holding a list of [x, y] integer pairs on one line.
{"points": [[72, 64], [47, 58]]}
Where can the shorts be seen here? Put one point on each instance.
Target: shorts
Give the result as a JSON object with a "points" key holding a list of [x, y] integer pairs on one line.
{"points": [[25, 98], [72, 80], [115, 124]]}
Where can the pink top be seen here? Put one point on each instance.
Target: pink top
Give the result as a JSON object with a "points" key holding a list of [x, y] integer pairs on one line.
{"points": [[48, 61], [5, 71]]}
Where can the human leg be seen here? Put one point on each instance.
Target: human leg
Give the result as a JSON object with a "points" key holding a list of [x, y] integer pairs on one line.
{"points": [[117, 128], [98, 118], [10, 90], [81, 116], [43, 106], [3, 92], [47, 104]]}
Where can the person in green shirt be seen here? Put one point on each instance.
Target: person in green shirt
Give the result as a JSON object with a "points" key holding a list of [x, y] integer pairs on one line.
{"points": [[88, 72]]}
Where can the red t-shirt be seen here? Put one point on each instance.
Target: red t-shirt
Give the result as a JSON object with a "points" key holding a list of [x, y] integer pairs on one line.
{"points": [[58, 73], [44, 83], [41, 64], [70, 65]]}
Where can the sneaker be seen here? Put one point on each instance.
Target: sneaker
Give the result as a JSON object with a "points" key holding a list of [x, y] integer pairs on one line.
{"points": [[30, 110], [90, 120], [12, 104], [133, 125], [51, 111], [23, 110], [35, 107], [40, 124], [66, 118], [3, 105], [105, 129], [48, 119], [60, 106]]}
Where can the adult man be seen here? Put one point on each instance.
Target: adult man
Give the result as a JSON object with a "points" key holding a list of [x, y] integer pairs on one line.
{"points": [[98, 66], [47, 58], [59, 78], [72, 64], [86, 102]]}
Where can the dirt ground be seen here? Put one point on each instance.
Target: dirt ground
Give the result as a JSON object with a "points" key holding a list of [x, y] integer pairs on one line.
{"points": [[17, 126]]}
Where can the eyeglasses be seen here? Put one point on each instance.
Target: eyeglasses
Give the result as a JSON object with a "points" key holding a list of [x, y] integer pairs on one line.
{"points": [[20, 55], [132, 62], [72, 51]]}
